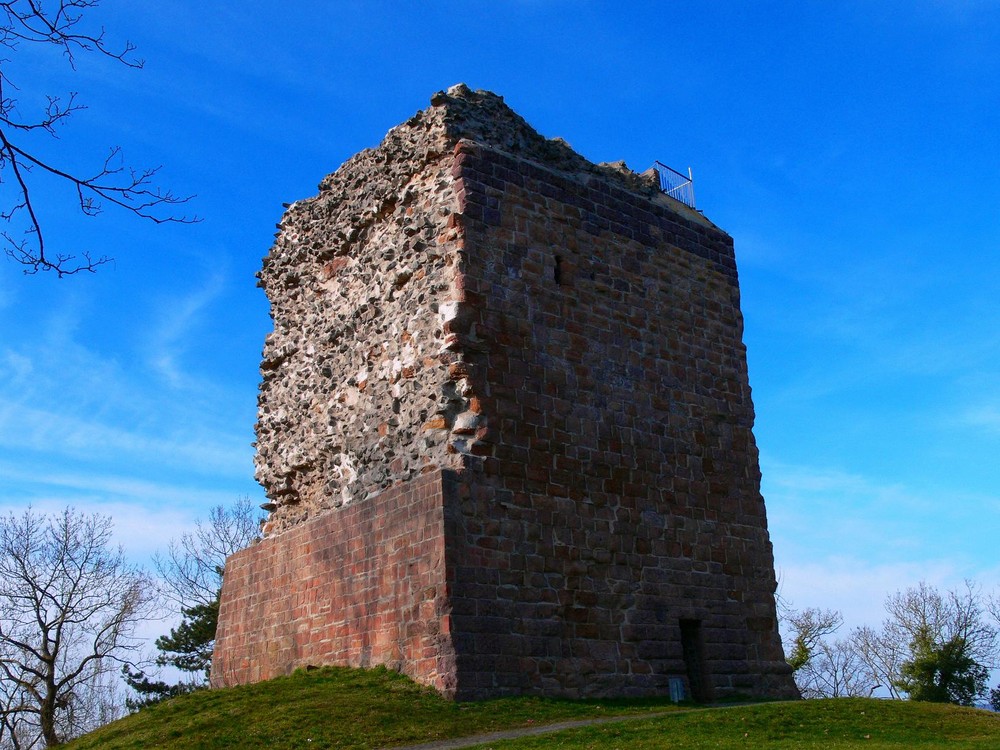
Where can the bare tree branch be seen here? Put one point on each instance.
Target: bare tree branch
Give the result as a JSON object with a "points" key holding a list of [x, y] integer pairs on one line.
{"points": [[193, 566], [809, 628], [69, 608], [835, 671], [60, 23]]}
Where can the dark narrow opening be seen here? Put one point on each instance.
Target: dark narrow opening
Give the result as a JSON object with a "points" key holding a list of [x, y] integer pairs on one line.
{"points": [[557, 271], [693, 648]]}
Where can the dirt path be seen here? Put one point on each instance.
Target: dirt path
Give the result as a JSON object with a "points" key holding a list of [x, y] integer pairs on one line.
{"points": [[510, 734]]}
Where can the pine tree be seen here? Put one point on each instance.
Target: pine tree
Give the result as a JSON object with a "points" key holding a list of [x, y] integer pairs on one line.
{"points": [[187, 648]]}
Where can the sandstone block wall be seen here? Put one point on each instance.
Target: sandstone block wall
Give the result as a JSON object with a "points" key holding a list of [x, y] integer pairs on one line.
{"points": [[561, 345], [620, 497], [360, 588]]}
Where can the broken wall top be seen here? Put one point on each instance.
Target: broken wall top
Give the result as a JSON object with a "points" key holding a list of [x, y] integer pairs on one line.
{"points": [[360, 386]]}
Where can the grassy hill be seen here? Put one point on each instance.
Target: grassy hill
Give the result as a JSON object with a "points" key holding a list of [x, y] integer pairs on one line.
{"points": [[346, 709]]}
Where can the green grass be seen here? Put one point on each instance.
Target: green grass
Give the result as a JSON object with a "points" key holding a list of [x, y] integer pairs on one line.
{"points": [[345, 709], [334, 708], [802, 725]]}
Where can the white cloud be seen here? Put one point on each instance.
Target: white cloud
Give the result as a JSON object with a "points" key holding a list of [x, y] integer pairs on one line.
{"points": [[829, 510], [176, 322], [63, 402], [141, 528], [89, 437], [985, 417], [112, 487], [846, 541], [18, 366], [858, 588]]}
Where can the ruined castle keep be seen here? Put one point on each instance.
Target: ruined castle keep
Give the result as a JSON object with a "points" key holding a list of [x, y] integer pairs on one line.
{"points": [[504, 430]]}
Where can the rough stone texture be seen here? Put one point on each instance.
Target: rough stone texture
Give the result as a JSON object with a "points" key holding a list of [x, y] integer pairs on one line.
{"points": [[556, 346]]}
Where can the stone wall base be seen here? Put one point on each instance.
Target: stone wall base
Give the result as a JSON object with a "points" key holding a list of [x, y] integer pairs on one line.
{"points": [[360, 586], [404, 579]]}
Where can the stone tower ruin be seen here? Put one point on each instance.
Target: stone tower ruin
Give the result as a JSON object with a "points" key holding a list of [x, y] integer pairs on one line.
{"points": [[504, 430]]}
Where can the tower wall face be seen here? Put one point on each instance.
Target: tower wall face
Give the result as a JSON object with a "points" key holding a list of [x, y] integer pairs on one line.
{"points": [[362, 587], [621, 497], [559, 347]]}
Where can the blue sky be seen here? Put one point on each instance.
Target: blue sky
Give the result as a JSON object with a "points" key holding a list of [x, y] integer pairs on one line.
{"points": [[850, 148]]}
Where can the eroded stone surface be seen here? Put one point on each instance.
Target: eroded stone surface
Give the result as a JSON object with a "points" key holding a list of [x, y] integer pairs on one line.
{"points": [[363, 385], [356, 394]]}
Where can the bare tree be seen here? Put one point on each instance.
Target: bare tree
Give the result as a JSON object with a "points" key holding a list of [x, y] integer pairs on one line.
{"points": [[193, 566], [824, 668], [835, 670], [16, 731], [933, 645], [192, 571], [70, 605], [60, 24], [808, 629], [993, 605], [883, 656]]}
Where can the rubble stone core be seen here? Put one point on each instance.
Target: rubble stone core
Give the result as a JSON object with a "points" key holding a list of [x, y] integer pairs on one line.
{"points": [[504, 430]]}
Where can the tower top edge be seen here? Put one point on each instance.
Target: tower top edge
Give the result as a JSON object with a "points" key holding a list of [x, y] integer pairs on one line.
{"points": [[460, 113]]}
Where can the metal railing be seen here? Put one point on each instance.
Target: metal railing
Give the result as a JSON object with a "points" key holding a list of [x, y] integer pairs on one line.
{"points": [[675, 184]]}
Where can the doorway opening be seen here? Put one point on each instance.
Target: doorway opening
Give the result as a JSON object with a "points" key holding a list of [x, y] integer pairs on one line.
{"points": [[693, 650]]}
